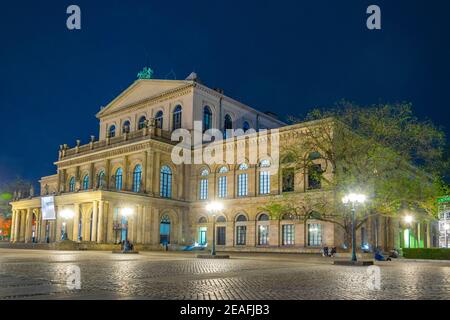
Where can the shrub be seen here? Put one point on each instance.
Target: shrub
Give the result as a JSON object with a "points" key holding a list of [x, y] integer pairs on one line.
{"points": [[428, 253]]}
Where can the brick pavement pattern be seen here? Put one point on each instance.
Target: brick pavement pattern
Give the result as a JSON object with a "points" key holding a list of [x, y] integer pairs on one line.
{"points": [[35, 274]]}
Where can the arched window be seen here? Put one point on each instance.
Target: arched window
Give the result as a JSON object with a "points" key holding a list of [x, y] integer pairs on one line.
{"points": [[263, 229], [227, 126], [118, 178], [142, 122], [137, 177], [241, 230], [101, 179], [242, 190], [112, 131], [86, 182], [223, 183], [223, 169], [126, 127], [245, 126], [207, 118], [72, 184], [204, 184], [264, 177], [221, 219], [202, 220], [177, 117], [165, 183], [221, 231], [159, 120]]}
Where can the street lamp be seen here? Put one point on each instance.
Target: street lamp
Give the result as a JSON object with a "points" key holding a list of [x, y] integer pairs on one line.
{"points": [[66, 214], [213, 208], [409, 220], [354, 199], [127, 212]]}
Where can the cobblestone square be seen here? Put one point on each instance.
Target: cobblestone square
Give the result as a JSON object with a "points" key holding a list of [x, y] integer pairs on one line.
{"points": [[34, 274]]}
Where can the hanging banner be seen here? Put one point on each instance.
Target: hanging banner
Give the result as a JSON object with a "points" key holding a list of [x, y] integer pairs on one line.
{"points": [[48, 208]]}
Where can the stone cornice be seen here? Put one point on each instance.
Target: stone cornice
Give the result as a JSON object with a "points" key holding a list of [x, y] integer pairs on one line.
{"points": [[114, 152]]}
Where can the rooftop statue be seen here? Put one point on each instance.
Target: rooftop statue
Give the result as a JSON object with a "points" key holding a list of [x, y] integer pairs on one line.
{"points": [[146, 73]]}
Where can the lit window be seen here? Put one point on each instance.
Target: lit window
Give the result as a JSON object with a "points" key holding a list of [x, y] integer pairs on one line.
{"points": [[137, 177], [72, 184], [165, 183], [204, 185], [86, 182], [223, 187], [264, 177], [288, 234], [177, 117], [118, 178], [241, 230], [314, 235], [263, 235]]}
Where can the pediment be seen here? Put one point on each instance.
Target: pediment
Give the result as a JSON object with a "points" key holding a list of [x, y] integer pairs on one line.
{"points": [[140, 90]]}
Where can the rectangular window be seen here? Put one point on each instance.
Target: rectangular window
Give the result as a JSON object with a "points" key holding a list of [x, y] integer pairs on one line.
{"points": [[314, 235], [243, 185], [220, 236], [223, 187], [288, 180], [241, 235], [315, 177], [204, 189], [263, 235], [264, 182], [288, 234]]}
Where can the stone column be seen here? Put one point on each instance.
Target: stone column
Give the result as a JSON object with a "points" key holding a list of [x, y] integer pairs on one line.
{"points": [[22, 225], [94, 221], [13, 225], [76, 218], [59, 221], [148, 173], [156, 165], [100, 222], [139, 224], [154, 233], [110, 222]]}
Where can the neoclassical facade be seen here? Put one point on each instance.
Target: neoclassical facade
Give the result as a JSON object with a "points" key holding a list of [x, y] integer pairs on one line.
{"points": [[131, 166]]}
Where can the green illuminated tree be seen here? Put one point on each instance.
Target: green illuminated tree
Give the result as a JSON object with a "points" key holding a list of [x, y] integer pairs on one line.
{"points": [[383, 151]]}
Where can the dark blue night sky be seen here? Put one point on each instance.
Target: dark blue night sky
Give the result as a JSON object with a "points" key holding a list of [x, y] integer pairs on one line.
{"points": [[283, 56]]}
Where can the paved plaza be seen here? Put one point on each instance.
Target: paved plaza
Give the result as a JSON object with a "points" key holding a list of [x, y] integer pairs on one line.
{"points": [[35, 274]]}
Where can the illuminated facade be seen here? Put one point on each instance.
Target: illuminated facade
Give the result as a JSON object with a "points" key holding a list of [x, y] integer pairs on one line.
{"points": [[130, 166]]}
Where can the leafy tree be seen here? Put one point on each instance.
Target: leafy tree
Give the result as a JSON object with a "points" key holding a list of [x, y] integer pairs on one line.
{"points": [[382, 150]]}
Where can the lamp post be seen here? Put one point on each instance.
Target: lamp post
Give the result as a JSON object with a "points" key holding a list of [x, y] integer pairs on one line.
{"points": [[353, 199], [66, 215], [126, 212], [213, 208], [409, 220]]}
